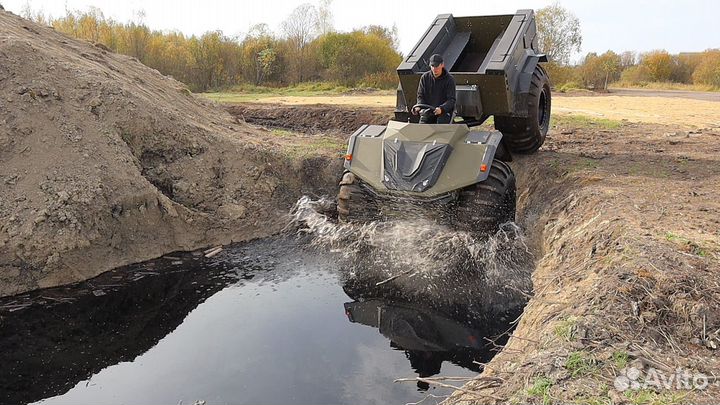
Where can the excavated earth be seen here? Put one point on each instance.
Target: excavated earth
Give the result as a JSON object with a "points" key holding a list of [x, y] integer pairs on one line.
{"points": [[105, 162], [627, 241], [308, 118], [624, 229]]}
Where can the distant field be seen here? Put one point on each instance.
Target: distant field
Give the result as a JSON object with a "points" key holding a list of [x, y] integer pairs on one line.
{"points": [[656, 110], [245, 94]]}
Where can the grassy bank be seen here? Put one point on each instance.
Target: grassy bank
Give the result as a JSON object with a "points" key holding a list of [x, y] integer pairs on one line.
{"points": [[250, 93], [664, 86]]}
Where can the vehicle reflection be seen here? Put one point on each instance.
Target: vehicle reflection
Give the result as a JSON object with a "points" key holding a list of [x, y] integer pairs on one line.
{"points": [[429, 336]]}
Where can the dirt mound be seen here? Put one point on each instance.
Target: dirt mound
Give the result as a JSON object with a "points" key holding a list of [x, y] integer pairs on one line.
{"points": [[306, 118], [104, 162]]}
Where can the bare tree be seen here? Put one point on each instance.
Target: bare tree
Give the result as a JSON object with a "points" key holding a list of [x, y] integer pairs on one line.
{"points": [[627, 59], [26, 12], [325, 17], [559, 33], [300, 28], [259, 30]]}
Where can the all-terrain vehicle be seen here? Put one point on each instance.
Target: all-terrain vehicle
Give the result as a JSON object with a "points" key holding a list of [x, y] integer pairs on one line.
{"points": [[458, 172]]}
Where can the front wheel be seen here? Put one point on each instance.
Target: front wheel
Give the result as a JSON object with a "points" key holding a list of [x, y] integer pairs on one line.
{"points": [[353, 203], [484, 206]]}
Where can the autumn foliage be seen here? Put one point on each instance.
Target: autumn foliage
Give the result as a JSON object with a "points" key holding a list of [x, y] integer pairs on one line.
{"points": [[308, 49], [364, 57]]}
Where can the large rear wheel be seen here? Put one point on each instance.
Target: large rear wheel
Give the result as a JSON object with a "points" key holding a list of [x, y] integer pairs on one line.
{"points": [[484, 206], [526, 134]]}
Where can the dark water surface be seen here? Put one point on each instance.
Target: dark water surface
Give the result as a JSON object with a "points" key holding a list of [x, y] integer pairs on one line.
{"points": [[265, 322]]}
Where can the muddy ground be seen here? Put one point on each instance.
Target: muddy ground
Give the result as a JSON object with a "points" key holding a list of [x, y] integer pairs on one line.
{"points": [[106, 162], [310, 119], [624, 228], [628, 248]]}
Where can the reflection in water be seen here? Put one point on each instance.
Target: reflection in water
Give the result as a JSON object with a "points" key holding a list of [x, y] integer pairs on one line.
{"points": [[53, 339], [429, 337], [260, 323]]}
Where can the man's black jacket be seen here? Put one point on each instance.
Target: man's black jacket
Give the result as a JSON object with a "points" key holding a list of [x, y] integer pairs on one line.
{"points": [[437, 92]]}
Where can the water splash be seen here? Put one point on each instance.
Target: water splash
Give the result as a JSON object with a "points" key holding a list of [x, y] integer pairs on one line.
{"points": [[420, 259]]}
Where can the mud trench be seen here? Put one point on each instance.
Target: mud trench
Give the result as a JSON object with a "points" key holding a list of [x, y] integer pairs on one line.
{"points": [[613, 258], [291, 319], [310, 119], [299, 317], [624, 247], [294, 318]]}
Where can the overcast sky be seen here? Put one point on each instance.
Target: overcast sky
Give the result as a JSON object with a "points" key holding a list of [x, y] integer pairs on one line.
{"points": [[642, 25]]}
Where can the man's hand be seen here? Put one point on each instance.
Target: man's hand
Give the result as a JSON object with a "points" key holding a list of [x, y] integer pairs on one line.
{"points": [[416, 110], [438, 111]]}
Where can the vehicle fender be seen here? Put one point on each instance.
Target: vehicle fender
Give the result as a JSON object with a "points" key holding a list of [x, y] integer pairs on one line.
{"points": [[530, 61], [493, 142]]}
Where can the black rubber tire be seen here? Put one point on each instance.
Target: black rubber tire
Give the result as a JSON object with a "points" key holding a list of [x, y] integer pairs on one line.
{"points": [[526, 135], [353, 203], [484, 206]]}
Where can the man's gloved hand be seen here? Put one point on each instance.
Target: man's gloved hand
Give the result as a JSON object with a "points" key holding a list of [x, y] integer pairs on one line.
{"points": [[438, 111]]}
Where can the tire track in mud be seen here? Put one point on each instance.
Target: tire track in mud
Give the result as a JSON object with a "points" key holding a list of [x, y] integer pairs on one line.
{"points": [[310, 119]]}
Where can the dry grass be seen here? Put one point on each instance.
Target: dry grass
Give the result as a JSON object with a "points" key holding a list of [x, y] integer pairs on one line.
{"points": [[664, 86], [627, 271]]}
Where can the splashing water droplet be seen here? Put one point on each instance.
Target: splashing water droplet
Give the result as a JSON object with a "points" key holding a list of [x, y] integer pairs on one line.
{"points": [[425, 260]]}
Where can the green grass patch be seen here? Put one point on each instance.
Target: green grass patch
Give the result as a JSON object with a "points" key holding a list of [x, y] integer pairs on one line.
{"points": [[648, 397], [590, 399], [620, 359], [654, 171], [583, 163], [580, 364], [248, 93], [283, 133], [317, 146], [688, 245], [583, 121], [664, 86], [567, 329], [572, 87], [297, 146], [568, 121], [300, 89], [489, 124], [234, 97], [541, 389], [596, 400]]}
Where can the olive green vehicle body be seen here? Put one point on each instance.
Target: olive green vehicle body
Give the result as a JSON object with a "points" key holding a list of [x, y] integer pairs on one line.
{"points": [[496, 67], [469, 155]]}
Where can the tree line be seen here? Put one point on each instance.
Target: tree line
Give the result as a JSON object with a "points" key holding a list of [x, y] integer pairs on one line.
{"points": [[639, 69], [560, 35], [307, 49]]}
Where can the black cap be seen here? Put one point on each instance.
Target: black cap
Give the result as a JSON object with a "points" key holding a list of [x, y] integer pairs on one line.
{"points": [[436, 60]]}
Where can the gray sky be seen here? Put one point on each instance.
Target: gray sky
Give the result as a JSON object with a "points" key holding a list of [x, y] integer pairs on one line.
{"points": [[641, 25]]}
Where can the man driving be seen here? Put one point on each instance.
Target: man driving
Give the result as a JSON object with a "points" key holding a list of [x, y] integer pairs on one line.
{"points": [[437, 89]]}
